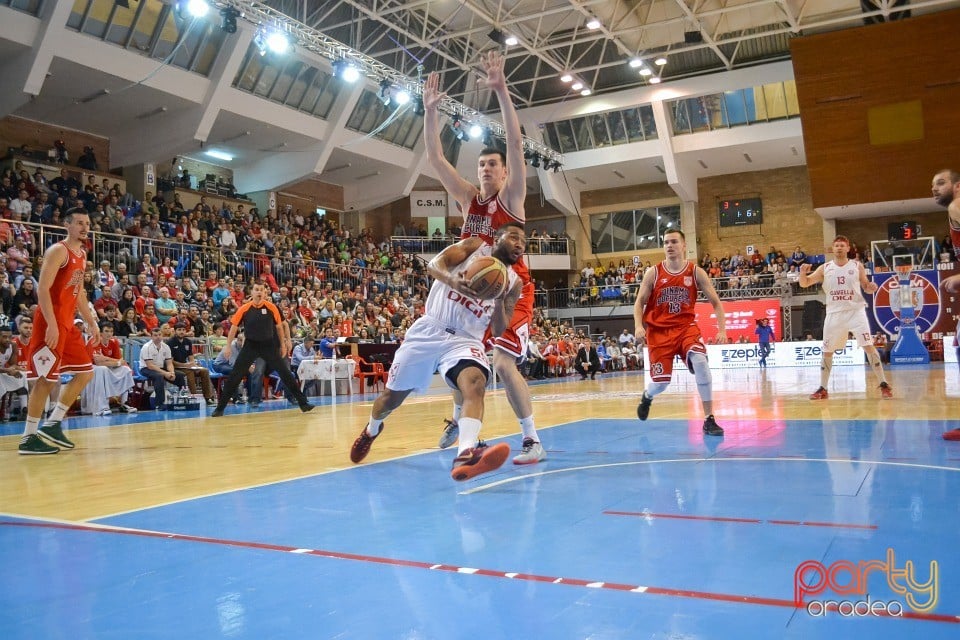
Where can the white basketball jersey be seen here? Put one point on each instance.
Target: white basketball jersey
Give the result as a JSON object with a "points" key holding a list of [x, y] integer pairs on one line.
{"points": [[841, 286], [6, 355], [460, 313]]}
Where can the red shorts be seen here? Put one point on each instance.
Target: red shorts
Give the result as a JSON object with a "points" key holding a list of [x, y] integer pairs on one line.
{"points": [[669, 343], [70, 356], [515, 337]]}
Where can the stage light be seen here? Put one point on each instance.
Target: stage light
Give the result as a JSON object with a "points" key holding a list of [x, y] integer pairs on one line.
{"points": [[228, 19], [278, 42], [219, 155], [457, 125], [476, 131], [535, 161], [511, 41], [345, 70], [418, 106], [197, 8], [385, 90], [401, 97]]}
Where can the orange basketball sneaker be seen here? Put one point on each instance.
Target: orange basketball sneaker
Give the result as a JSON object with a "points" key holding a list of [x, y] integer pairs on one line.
{"points": [[952, 435], [819, 394], [479, 459]]}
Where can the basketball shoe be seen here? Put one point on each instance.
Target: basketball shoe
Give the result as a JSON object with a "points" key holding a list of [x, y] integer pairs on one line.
{"points": [[531, 452], [953, 435], [819, 394], [479, 459], [33, 445], [711, 428], [886, 391], [361, 446], [51, 431], [643, 409], [450, 434]]}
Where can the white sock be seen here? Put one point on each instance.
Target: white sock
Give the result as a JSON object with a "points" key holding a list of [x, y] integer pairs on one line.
{"points": [[32, 424], [373, 427], [457, 411], [529, 431], [59, 412], [469, 434]]}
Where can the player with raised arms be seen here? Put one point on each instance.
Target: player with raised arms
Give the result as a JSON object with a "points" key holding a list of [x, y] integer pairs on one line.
{"points": [[499, 200]]}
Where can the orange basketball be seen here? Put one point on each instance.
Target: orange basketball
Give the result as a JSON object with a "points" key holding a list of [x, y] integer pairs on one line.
{"points": [[487, 276]]}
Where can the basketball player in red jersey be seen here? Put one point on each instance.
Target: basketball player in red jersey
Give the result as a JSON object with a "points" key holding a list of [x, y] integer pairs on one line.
{"points": [[664, 314], [57, 344], [499, 200]]}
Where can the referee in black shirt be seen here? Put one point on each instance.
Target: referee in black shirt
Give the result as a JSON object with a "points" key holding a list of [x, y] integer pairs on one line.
{"points": [[263, 328]]}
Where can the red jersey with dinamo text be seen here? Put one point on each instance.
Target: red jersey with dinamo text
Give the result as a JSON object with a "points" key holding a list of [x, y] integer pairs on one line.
{"points": [[483, 219], [674, 298], [65, 290]]}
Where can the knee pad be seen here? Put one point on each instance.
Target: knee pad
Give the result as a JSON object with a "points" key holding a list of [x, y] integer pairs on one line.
{"points": [[701, 368]]}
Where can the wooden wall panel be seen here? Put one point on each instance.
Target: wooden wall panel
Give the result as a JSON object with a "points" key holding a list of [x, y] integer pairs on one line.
{"points": [[842, 75], [38, 136]]}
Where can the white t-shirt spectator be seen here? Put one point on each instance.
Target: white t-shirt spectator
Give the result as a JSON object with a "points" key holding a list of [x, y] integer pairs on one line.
{"points": [[23, 207], [228, 239]]}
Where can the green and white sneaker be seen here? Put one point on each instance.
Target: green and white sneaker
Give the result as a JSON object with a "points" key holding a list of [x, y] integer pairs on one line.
{"points": [[52, 432], [33, 445]]}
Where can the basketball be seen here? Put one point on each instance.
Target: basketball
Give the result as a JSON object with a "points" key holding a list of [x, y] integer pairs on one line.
{"points": [[487, 276]]}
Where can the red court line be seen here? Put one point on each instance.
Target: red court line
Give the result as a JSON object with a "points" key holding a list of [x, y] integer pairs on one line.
{"points": [[396, 562], [676, 516]]}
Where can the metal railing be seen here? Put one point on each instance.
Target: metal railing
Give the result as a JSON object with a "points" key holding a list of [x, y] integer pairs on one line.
{"points": [[434, 244]]}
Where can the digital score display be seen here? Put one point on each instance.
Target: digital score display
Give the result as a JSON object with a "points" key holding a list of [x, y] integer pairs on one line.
{"points": [[903, 230], [742, 211]]}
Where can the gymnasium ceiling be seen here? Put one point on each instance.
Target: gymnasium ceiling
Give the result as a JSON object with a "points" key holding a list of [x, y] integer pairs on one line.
{"points": [[695, 36]]}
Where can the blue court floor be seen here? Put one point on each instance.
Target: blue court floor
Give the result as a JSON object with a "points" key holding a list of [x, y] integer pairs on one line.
{"points": [[628, 530]]}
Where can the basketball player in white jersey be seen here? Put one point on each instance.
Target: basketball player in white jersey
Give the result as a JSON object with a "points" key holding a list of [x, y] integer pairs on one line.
{"points": [[498, 200], [448, 339], [843, 282]]}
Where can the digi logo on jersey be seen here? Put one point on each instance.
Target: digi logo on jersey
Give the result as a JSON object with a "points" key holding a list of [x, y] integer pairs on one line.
{"points": [[924, 295]]}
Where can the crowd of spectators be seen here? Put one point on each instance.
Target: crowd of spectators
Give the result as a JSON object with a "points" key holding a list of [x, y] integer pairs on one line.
{"points": [[159, 264]]}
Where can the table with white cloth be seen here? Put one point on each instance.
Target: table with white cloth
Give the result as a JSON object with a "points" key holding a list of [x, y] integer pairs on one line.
{"points": [[327, 369]]}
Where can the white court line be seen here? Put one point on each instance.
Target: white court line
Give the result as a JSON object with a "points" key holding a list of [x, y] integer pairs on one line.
{"points": [[527, 476]]}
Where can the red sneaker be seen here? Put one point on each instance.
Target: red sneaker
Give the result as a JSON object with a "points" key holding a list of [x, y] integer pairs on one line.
{"points": [[361, 446], [953, 435], [479, 459], [819, 394], [885, 390]]}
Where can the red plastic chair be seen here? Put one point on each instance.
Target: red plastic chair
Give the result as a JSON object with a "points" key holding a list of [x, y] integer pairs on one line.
{"points": [[366, 370]]}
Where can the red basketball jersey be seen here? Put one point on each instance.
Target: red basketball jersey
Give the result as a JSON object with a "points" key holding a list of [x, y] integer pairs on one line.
{"points": [[109, 350], [674, 298], [65, 290], [483, 219], [22, 359]]}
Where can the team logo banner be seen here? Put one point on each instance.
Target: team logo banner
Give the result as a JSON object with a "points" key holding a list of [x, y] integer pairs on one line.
{"points": [[924, 297]]}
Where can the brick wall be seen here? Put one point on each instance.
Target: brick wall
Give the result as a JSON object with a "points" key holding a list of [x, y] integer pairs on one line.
{"points": [[788, 215]]}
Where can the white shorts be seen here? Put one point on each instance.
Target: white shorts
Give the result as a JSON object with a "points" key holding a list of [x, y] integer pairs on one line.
{"points": [[428, 348], [839, 324]]}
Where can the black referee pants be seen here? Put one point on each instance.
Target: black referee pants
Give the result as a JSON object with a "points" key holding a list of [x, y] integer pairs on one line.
{"points": [[270, 352]]}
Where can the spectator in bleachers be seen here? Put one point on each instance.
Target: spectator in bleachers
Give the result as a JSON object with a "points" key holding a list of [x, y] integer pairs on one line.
{"points": [[25, 299], [798, 257], [130, 325], [165, 306]]}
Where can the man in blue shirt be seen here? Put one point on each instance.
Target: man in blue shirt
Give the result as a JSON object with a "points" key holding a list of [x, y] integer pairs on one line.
{"points": [[765, 334], [328, 344]]}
